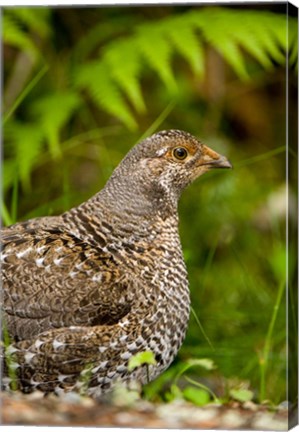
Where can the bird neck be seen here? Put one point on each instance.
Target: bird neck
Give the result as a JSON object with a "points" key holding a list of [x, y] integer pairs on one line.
{"points": [[135, 199], [126, 209]]}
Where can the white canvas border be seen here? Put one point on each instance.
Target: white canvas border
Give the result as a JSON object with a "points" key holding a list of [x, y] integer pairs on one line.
{"points": [[126, 2]]}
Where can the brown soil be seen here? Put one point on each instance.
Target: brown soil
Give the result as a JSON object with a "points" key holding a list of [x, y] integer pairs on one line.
{"points": [[74, 410]]}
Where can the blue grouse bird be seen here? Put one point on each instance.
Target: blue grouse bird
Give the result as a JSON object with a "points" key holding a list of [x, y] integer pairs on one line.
{"points": [[105, 280]]}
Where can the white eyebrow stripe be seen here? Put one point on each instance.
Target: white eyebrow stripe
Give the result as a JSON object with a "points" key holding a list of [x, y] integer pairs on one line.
{"points": [[161, 151]]}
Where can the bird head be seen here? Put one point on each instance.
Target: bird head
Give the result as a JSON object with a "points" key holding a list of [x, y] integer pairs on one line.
{"points": [[162, 165]]}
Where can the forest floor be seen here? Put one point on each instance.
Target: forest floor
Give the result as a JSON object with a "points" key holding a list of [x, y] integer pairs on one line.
{"points": [[74, 410]]}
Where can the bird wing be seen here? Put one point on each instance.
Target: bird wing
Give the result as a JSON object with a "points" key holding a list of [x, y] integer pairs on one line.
{"points": [[58, 358], [53, 279]]}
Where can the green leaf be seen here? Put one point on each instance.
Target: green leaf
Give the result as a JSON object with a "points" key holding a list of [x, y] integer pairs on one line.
{"points": [[5, 215], [156, 51], [96, 78], [126, 73], [140, 359], [219, 35], [29, 87], [9, 172], [197, 396], [278, 261], [250, 42], [255, 49], [175, 392], [269, 37], [232, 54], [205, 363], [220, 38], [53, 111], [241, 395], [27, 140], [123, 62], [260, 33], [13, 35], [187, 43], [36, 19]]}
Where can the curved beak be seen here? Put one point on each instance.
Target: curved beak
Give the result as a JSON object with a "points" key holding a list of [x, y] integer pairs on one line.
{"points": [[213, 159]]}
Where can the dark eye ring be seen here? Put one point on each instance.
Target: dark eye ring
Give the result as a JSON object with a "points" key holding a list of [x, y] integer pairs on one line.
{"points": [[180, 153]]}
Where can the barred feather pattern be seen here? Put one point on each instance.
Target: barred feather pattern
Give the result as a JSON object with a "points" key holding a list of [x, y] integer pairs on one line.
{"points": [[87, 290]]}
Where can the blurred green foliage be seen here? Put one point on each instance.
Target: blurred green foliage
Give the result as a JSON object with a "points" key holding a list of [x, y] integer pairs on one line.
{"points": [[82, 85]]}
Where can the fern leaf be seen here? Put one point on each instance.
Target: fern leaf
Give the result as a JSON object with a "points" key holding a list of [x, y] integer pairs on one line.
{"points": [[277, 25], [246, 37], [229, 50], [156, 51], [187, 43], [95, 78], [53, 112], [251, 44], [270, 37], [233, 56], [36, 19], [123, 61], [216, 31], [26, 140], [10, 168], [101, 32], [230, 32], [262, 34], [14, 36]]}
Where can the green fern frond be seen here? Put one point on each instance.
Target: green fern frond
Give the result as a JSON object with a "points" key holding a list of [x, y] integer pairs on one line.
{"points": [[231, 32], [13, 35], [271, 34], [91, 41], [10, 168], [187, 43], [262, 34], [53, 111], [114, 79], [232, 54], [123, 60], [248, 40], [217, 31], [99, 34], [36, 19], [156, 51], [27, 140], [96, 78], [241, 28]]}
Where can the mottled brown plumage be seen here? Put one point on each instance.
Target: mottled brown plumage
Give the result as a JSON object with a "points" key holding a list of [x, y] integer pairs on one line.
{"points": [[90, 288]]}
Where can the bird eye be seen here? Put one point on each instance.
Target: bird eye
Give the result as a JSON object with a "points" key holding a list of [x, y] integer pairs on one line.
{"points": [[180, 153]]}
